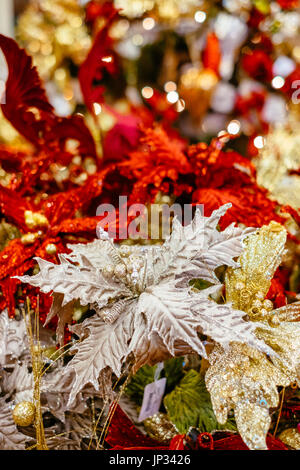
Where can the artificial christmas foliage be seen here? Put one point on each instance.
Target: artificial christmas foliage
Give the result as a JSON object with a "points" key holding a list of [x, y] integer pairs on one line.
{"points": [[213, 308]]}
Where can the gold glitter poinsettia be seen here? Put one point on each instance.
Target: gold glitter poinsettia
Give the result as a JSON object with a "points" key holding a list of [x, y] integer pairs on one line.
{"points": [[240, 377]]}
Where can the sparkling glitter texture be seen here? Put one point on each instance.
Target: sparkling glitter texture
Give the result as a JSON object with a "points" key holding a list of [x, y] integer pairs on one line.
{"points": [[159, 427], [240, 377], [247, 286], [291, 437], [24, 413], [278, 164]]}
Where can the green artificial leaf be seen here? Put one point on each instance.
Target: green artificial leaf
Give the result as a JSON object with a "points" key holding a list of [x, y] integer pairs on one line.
{"points": [[200, 284], [173, 371], [189, 405], [136, 386]]}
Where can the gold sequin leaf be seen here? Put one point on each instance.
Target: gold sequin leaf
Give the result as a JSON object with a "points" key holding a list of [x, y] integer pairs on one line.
{"points": [[241, 377], [258, 263], [245, 380]]}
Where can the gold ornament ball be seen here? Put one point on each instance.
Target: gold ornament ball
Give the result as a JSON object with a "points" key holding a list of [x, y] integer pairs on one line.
{"points": [[256, 303], [268, 304], [51, 249], [24, 413]]}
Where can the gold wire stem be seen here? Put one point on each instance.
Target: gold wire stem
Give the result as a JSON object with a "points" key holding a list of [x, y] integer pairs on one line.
{"points": [[111, 414], [56, 359], [35, 351], [280, 411]]}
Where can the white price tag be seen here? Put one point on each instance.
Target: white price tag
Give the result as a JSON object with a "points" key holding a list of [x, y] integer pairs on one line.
{"points": [[153, 394]]}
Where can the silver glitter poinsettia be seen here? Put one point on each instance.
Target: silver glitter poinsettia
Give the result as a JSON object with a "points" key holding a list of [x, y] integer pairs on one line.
{"points": [[145, 307]]}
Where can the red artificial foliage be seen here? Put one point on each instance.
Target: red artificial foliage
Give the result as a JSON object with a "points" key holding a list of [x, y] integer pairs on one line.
{"points": [[178, 442], [157, 164], [147, 159], [59, 210], [28, 110], [123, 434], [99, 9], [234, 442], [27, 106], [100, 59], [250, 205], [277, 292], [258, 65]]}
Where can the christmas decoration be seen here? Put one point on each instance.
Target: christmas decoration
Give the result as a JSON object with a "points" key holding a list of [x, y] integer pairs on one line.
{"points": [[291, 437], [241, 377], [24, 413], [161, 104], [142, 299], [278, 164], [114, 322], [217, 79]]}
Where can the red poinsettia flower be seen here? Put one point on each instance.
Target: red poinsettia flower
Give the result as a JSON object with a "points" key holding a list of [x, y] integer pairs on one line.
{"points": [[258, 65]]}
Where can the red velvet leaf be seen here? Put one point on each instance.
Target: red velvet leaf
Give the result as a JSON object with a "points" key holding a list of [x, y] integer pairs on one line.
{"points": [[26, 104], [101, 58], [124, 434], [73, 127], [13, 207], [29, 111]]}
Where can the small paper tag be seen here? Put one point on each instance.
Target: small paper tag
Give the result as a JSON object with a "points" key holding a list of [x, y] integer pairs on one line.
{"points": [[153, 394]]}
